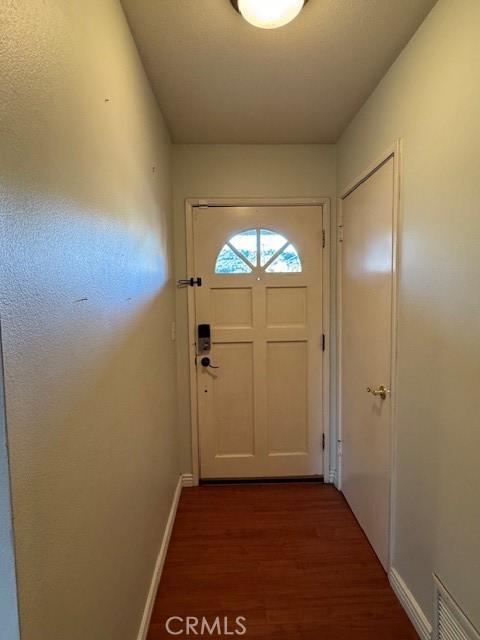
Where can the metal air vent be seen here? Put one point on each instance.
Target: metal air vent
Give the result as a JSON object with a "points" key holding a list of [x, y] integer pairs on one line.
{"points": [[450, 623]]}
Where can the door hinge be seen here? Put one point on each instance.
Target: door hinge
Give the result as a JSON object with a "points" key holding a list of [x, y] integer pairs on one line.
{"points": [[323, 441], [323, 342], [340, 232], [324, 239], [189, 282]]}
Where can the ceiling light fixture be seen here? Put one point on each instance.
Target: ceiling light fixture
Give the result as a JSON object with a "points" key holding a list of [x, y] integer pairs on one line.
{"points": [[269, 14]]}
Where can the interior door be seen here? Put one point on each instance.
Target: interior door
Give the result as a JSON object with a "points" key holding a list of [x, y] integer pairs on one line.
{"points": [[367, 279], [260, 410]]}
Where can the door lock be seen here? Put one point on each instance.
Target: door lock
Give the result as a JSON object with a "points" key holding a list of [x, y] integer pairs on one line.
{"points": [[380, 391], [204, 339]]}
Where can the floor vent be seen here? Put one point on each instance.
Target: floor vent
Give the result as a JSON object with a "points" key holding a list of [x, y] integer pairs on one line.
{"points": [[450, 623]]}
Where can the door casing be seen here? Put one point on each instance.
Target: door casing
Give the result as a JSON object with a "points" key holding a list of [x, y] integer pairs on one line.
{"points": [[395, 152], [190, 205]]}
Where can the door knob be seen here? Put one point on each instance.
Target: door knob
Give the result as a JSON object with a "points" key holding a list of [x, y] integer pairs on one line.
{"points": [[205, 362], [380, 391]]}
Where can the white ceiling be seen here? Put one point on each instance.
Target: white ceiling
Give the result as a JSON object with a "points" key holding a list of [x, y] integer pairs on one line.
{"points": [[220, 80]]}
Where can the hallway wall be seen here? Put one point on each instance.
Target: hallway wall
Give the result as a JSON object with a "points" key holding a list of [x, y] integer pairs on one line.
{"points": [[430, 98], [237, 171], [87, 305]]}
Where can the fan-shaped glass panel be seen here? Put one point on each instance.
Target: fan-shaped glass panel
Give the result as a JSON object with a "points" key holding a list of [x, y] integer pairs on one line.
{"points": [[240, 253], [246, 244], [229, 262], [270, 243], [287, 262]]}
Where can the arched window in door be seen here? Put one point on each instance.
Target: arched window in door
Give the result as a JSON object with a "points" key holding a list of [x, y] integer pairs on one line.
{"points": [[258, 248]]}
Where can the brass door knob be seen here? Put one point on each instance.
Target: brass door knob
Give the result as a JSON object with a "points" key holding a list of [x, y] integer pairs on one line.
{"points": [[380, 391]]}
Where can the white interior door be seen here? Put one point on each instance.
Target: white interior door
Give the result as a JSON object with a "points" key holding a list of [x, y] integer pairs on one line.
{"points": [[367, 280], [260, 411]]}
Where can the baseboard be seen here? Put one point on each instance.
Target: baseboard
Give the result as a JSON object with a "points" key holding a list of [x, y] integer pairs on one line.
{"points": [[411, 606], [147, 613], [332, 476], [187, 480]]}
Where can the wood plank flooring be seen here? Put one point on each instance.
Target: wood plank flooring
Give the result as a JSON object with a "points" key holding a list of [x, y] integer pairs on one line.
{"points": [[290, 558]]}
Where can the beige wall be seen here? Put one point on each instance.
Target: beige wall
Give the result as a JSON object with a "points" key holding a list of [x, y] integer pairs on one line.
{"points": [[87, 305], [431, 99], [237, 171]]}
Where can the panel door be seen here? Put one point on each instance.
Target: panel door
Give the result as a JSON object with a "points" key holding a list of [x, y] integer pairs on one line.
{"points": [[367, 218], [260, 411]]}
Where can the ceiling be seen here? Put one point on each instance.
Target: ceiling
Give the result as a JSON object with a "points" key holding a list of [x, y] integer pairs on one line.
{"points": [[220, 80]]}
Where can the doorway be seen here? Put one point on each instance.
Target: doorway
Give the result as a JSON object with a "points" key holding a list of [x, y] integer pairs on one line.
{"points": [[261, 386], [367, 361], [8, 578]]}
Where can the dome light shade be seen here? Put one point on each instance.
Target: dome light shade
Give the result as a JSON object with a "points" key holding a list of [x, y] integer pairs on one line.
{"points": [[269, 14]]}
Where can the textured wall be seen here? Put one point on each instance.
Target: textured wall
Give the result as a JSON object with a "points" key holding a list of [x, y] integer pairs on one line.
{"points": [[238, 171], [87, 305], [431, 99]]}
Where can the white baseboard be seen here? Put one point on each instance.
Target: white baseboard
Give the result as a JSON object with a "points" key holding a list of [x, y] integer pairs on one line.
{"points": [[147, 613], [187, 480], [411, 606]]}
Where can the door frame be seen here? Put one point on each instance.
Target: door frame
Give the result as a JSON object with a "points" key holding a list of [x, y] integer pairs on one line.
{"points": [[190, 205], [395, 152]]}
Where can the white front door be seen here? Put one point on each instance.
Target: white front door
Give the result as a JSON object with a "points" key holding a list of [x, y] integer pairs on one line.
{"points": [[367, 280], [260, 411]]}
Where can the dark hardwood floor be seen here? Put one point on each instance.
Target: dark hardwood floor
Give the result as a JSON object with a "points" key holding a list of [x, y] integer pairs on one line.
{"points": [[290, 558]]}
